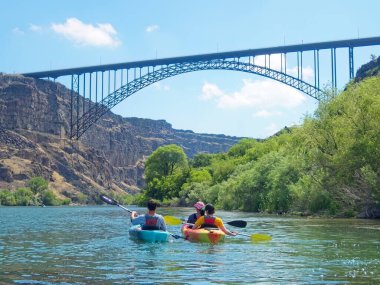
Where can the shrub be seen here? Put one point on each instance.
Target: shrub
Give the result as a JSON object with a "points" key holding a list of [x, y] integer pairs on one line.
{"points": [[37, 184], [7, 198], [319, 200], [50, 199], [24, 197]]}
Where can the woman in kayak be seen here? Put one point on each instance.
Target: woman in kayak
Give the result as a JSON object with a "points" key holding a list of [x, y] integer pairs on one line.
{"points": [[150, 220], [209, 221], [195, 216]]}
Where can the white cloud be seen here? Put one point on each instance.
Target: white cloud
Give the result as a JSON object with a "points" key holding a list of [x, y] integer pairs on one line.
{"points": [[275, 64], [17, 31], [151, 28], [275, 61], [35, 28], [160, 86], [259, 94], [87, 34], [210, 91], [265, 113], [307, 72]]}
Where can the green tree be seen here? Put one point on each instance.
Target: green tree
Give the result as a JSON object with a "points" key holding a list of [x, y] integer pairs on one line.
{"points": [[283, 174], [164, 161], [222, 169], [201, 160], [24, 197], [166, 169], [50, 199], [7, 198], [37, 184], [241, 147], [199, 175], [193, 192]]}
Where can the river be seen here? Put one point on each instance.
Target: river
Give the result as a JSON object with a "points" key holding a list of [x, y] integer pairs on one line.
{"points": [[91, 245]]}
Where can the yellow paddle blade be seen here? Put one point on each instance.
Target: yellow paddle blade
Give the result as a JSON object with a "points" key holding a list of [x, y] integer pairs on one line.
{"points": [[261, 237], [172, 221]]}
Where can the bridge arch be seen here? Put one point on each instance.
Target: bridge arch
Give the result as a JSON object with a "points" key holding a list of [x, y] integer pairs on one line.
{"points": [[99, 109]]}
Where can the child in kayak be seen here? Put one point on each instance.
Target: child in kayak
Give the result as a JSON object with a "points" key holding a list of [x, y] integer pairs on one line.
{"points": [[209, 221], [195, 216], [150, 220]]}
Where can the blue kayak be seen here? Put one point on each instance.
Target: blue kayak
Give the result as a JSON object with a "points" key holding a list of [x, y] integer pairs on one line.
{"points": [[136, 232]]}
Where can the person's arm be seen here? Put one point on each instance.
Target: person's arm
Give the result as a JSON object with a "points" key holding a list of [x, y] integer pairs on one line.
{"points": [[134, 215], [220, 225], [136, 219], [161, 223], [199, 222]]}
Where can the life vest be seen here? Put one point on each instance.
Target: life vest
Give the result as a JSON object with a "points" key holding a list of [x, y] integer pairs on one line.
{"points": [[150, 223], [209, 222]]}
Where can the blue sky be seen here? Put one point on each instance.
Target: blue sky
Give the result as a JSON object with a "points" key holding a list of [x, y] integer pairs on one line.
{"points": [[43, 35]]}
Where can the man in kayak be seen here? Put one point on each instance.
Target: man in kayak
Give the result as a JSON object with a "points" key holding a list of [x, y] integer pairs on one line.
{"points": [[150, 220], [195, 216], [209, 221]]}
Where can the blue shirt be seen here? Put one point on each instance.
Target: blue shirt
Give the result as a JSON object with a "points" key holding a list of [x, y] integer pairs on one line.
{"points": [[140, 220], [192, 218]]}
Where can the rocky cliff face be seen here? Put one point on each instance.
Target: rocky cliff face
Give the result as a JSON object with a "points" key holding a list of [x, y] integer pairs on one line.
{"points": [[371, 68], [34, 121]]}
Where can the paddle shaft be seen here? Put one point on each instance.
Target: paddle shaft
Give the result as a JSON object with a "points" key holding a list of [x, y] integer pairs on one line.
{"points": [[244, 235], [177, 236], [125, 208], [111, 201], [238, 223]]}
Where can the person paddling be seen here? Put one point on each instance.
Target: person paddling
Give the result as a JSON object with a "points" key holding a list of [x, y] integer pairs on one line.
{"points": [[209, 221], [195, 216], [150, 220]]}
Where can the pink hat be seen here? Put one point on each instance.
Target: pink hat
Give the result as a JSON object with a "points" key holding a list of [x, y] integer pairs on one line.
{"points": [[199, 205]]}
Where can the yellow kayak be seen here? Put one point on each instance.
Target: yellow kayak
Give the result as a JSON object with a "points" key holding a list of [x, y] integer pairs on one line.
{"points": [[203, 235]]}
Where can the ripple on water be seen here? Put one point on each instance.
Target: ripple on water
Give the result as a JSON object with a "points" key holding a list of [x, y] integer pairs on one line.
{"points": [[90, 245]]}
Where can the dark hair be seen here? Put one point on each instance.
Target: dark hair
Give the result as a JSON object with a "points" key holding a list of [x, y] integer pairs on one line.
{"points": [[152, 205], [210, 209]]}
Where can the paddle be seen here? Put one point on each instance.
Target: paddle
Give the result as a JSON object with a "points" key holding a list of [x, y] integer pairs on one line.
{"points": [[258, 237], [238, 223], [111, 201], [173, 221]]}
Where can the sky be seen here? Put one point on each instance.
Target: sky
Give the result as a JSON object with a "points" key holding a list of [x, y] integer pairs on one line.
{"points": [[44, 35]]}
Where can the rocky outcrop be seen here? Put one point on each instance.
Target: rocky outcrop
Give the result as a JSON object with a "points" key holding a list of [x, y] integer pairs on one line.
{"points": [[372, 212], [369, 69], [35, 119]]}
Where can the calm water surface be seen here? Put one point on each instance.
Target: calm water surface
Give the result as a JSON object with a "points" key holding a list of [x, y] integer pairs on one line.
{"points": [[90, 245]]}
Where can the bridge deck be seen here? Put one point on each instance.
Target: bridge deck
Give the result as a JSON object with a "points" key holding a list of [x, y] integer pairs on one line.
{"points": [[210, 56]]}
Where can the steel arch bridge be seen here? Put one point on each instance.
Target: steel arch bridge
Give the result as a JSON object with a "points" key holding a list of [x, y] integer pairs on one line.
{"points": [[88, 101]]}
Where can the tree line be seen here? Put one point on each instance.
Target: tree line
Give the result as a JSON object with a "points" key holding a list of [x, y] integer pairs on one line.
{"points": [[36, 193], [328, 165]]}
